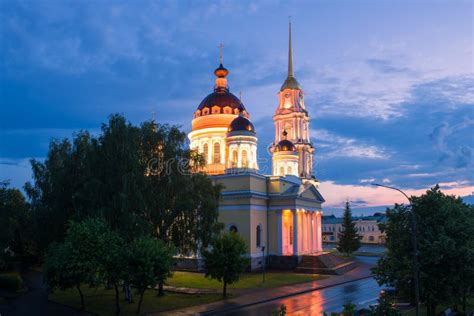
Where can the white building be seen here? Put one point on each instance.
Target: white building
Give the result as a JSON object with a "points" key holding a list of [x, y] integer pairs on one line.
{"points": [[367, 227]]}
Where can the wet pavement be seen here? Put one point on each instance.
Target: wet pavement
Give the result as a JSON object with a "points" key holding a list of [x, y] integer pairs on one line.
{"points": [[362, 293]]}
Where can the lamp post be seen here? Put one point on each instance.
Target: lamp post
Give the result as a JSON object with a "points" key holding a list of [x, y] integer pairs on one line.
{"points": [[415, 247], [263, 263]]}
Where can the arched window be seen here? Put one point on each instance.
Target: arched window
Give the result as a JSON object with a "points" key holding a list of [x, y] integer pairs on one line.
{"points": [[282, 171], [217, 153], [259, 236], [371, 238], [235, 158], [205, 152], [244, 159], [288, 170], [233, 229]]}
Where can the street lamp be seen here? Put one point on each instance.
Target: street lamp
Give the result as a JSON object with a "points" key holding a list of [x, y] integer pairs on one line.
{"points": [[263, 265], [415, 246]]}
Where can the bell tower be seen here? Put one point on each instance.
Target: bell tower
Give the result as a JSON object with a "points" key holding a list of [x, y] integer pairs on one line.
{"points": [[292, 117]]}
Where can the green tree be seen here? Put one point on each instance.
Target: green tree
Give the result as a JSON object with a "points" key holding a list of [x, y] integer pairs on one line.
{"points": [[16, 241], [384, 307], [349, 239], [348, 309], [112, 261], [63, 188], [445, 234], [150, 261], [138, 178], [226, 260], [76, 260]]}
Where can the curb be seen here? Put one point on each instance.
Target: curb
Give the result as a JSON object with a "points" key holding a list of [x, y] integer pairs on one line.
{"points": [[280, 297]]}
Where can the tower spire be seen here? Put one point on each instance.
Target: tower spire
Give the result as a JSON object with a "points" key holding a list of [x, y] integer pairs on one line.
{"points": [[290, 51]]}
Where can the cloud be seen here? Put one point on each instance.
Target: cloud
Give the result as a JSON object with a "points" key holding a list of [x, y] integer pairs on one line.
{"points": [[333, 145]]}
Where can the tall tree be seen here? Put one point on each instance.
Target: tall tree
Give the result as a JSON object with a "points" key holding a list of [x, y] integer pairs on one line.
{"points": [[226, 260], [138, 178], [63, 188], [445, 234], [349, 239]]}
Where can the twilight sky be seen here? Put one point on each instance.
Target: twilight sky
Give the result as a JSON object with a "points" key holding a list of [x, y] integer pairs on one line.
{"points": [[389, 85]]}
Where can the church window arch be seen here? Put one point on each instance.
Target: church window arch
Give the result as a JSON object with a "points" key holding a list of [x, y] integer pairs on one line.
{"points": [[205, 152], [235, 158], [217, 153], [259, 236], [282, 171], [289, 171], [244, 159], [205, 111]]}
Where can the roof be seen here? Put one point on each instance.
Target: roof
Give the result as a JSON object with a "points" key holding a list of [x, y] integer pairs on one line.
{"points": [[241, 123]]}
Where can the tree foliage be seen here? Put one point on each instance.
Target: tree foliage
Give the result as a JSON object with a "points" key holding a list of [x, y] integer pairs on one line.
{"points": [[445, 234], [150, 262], [76, 260], [226, 260], [349, 239], [15, 233], [138, 178]]}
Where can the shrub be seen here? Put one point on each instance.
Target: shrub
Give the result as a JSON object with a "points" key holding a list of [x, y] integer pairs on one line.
{"points": [[10, 281]]}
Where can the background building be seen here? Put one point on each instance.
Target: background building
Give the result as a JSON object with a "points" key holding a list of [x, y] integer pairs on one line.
{"points": [[367, 227]]}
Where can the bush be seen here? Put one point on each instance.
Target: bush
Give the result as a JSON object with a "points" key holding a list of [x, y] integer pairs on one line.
{"points": [[10, 281]]}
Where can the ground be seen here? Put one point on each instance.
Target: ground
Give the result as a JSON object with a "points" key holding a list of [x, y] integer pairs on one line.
{"points": [[247, 281], [101, 301]]}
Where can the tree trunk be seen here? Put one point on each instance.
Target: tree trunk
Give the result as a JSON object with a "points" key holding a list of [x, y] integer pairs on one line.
{"points": [[224, 293], [117, 305], [161, 292], [140, 301], [83, 306]]}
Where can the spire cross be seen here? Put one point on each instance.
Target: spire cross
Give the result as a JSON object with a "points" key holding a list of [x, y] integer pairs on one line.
{"points": [[221, 46]]}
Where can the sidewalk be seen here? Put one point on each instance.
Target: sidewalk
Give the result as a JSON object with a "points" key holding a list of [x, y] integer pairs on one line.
{"points": [[265, 295]]}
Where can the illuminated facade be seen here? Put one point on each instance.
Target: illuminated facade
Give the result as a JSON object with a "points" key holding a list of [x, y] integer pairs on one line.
{"points": [[277, 214]]}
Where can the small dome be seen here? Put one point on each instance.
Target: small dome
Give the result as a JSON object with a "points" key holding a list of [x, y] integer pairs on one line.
{"points": [[241, 123], [285, 145], [221, 71]]}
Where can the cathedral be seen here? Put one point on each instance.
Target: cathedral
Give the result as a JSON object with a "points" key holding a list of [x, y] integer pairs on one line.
{"points": [[279, 215]]}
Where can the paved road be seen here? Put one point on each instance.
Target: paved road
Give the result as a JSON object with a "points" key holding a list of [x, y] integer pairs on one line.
{"points": [[363, 293]]}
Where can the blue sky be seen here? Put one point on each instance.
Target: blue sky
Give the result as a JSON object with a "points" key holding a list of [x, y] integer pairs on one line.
{"points": [[389, 85]]}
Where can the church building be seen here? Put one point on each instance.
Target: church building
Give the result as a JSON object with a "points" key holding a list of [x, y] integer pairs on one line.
{"points": [[279, 215]]}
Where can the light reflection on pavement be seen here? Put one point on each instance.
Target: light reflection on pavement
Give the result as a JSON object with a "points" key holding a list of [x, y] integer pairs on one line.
{"points": [[363, 293]]}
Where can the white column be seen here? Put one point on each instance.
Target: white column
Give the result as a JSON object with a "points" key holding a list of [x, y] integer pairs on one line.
{"points": [[239, 157], [315, 230], [279, 233], [295, 233], [311, 223], [223, 150], [320, 243]]}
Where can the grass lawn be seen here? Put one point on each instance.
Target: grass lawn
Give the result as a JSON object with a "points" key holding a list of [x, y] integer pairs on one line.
{"points": [[102, 301], [247, 281]]}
